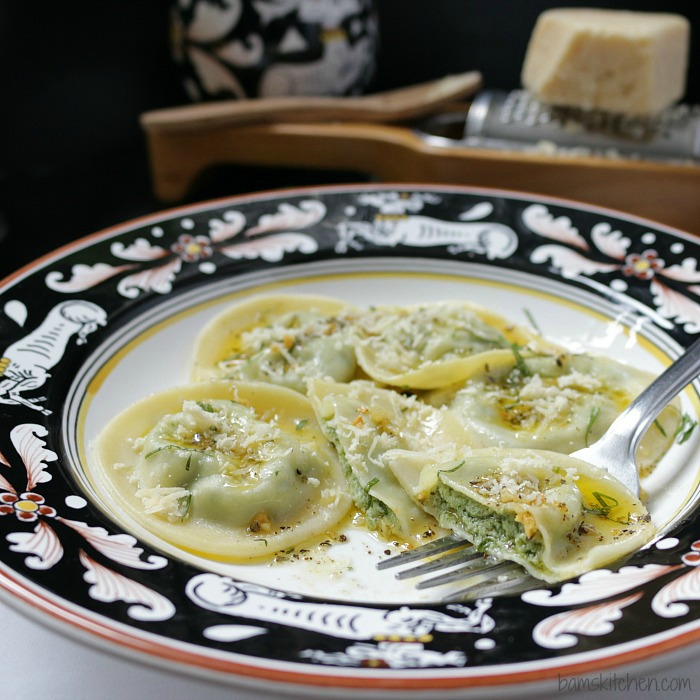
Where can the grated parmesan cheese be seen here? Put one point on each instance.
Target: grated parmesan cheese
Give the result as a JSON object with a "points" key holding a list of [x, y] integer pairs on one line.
{"points": [[172, 502]]}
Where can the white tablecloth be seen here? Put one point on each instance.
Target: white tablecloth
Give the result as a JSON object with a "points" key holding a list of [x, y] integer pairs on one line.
{"points": [[38, 662]]}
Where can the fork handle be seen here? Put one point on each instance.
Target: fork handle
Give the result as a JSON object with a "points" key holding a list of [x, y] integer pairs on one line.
{"points": [[640, 414]]}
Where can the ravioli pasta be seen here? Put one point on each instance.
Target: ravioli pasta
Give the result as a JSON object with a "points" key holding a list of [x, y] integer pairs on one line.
{"points": [[424, 419], [553, 401], [278, 339], [234, 471], [556, 516], [364, 422], [430, 345]]}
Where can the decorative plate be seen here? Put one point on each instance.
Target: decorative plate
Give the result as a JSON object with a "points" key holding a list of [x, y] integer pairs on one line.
{"points": [[107, 320]]}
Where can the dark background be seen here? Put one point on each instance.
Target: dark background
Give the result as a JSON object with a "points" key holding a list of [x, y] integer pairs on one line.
{"points": [[75, 75]]}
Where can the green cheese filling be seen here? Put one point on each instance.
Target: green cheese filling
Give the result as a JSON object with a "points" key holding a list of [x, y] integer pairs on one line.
{"points": [[488, 529], [378, 516]]}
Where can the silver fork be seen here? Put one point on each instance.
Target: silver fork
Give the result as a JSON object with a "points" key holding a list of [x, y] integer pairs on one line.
{"points": [[615, 451]]}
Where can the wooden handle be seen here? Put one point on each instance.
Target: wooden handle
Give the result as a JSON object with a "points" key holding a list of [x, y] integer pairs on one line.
{"points": [[664, 193], [394, 105]]}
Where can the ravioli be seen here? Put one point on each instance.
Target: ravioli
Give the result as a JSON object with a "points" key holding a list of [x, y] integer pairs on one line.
{"points": [[431, 345], [282, 340], [556, 516], [364, 422], [558, 402], [227, 470]]}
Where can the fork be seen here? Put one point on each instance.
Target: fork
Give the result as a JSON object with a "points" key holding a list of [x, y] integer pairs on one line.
{"points": [[615, 451]]}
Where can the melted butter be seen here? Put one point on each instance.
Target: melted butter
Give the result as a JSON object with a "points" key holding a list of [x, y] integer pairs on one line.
{"points": [[608, 500]]}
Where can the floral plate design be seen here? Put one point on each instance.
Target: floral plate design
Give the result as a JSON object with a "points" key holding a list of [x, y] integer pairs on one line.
{"points": [[102, 322]]}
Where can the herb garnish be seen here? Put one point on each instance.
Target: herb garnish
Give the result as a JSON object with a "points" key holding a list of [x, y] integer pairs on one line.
{"points": [[595, 412], [605, 504], [371, 484], [685, 429], [301, 423], [184, 505], [173, 447], [533, 323], [519, 361], [449, 471]]}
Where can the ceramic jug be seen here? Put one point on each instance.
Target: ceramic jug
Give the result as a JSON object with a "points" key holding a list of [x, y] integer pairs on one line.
{"points": [[263, 48]]}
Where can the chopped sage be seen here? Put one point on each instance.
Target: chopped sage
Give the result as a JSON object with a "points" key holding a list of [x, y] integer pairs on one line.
{"points": [[519, 361], [449, 471], [371, 484], [605, 504], [685, 429], [174, 447], [595, 412], [532, 321]]}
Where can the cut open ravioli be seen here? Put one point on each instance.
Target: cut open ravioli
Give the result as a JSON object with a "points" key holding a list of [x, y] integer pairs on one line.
{"points": [[558, 402], [228, 470], [364, 422], [555, 515], [279, 339], [431, 345]]}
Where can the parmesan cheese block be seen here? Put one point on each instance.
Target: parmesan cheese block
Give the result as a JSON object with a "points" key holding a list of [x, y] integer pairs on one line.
{"points": [[613, 60]]}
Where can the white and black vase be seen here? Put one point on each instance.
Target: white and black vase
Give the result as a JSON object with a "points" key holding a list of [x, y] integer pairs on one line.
{"points": [[264, 48]]}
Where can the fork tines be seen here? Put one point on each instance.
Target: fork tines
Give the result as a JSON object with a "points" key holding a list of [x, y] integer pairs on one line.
{"points": [[483, 574], [443, 544]]}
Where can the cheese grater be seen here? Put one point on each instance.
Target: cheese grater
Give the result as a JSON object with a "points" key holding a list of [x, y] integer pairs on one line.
{"points": [[501, 140], [517, 121]]}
